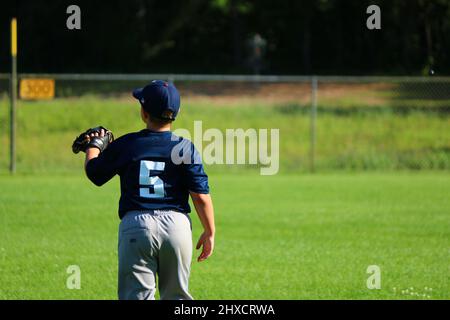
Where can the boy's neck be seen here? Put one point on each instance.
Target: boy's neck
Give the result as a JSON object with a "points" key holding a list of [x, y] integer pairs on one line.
{"points": [[159, 128]]}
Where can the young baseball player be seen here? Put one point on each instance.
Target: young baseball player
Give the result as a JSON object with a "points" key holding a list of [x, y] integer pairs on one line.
{"points": [[158, 171]]}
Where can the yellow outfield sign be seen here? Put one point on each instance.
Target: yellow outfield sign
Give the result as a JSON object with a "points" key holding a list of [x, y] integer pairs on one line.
{"points": [[37, 88]]}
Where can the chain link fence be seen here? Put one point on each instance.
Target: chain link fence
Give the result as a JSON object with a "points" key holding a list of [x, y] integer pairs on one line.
{"points": [[326, 123], [386, 123]]}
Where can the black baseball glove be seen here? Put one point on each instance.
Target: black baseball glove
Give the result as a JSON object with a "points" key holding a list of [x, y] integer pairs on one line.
{"points": [[82, 142]]}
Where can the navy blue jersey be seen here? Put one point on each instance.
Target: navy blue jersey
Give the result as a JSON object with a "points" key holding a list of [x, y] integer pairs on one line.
{"points": [[157, 170]]}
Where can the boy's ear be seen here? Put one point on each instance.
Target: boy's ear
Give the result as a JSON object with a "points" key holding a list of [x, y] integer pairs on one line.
{"points": [[144, 115]]}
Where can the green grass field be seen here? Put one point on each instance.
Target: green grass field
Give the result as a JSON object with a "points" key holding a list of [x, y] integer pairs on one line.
{"points": [[379, 197], [279, 237]]}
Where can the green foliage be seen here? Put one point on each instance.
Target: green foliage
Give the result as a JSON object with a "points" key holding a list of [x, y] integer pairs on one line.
{"points": [[204, 36]]}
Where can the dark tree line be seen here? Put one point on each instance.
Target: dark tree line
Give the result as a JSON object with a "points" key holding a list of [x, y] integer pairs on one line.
{"points": [[215, 36]]}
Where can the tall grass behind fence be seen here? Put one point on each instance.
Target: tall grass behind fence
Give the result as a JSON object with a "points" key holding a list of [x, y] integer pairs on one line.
{"points": [[362, 123], [386, 125]]}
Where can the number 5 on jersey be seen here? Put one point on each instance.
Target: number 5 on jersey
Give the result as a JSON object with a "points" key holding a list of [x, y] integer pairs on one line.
{"points": [[147, 182]]}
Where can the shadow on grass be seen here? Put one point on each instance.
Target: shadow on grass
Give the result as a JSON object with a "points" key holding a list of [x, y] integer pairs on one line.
{"points": [[422, 91], [294, 108]]}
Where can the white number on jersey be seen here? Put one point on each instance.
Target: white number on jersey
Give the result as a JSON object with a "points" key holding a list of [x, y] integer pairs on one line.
{"points": [[145, 181]]}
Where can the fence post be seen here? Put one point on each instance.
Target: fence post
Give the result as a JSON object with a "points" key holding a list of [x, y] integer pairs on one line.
{"points": [[313, 123], [13, 96]]}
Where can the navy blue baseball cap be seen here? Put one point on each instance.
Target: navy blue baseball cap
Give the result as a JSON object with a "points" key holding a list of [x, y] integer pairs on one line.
{"points": [[160, 99]]}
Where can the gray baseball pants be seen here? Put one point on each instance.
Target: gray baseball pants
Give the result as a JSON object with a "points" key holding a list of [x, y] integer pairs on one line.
{"points": [[154, 245]]}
